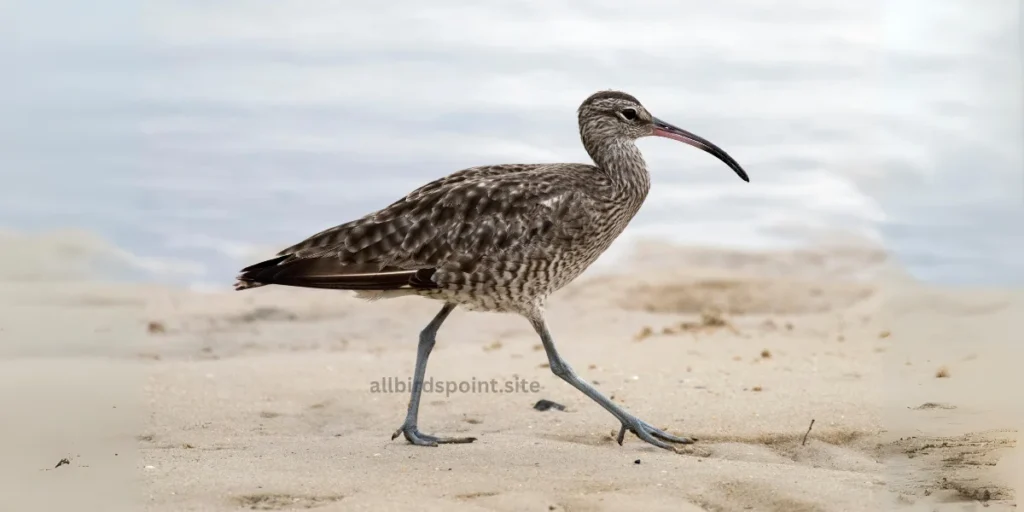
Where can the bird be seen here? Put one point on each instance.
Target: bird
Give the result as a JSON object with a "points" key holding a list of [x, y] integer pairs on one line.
{"points": [[496, 238]]}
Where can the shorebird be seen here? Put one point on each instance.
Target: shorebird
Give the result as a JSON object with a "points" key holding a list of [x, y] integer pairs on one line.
{"points": [[495, 238]]}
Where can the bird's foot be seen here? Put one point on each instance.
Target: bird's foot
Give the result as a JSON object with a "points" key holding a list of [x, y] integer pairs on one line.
{"points": [[414, 436], [654, 436]]}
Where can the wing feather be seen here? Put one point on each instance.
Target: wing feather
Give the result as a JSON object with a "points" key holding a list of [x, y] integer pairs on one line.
{"points": [[452, 223]]}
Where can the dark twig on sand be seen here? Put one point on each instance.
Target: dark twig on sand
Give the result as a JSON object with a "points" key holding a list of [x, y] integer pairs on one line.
{"points": [[804, 442]]}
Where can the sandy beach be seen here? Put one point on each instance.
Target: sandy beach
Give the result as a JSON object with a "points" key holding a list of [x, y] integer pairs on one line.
{"points": [[168, 399]]}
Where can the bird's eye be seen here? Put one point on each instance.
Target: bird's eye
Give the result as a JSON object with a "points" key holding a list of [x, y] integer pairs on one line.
{"points": [[629, 113]]}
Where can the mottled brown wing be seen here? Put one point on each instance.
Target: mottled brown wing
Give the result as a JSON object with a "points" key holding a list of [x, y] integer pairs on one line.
{"points": [[454, 223], [351, 234]]}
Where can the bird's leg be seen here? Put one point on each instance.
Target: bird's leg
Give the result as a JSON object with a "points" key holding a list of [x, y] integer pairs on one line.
{"points": [[559, 367], [427, 338]]}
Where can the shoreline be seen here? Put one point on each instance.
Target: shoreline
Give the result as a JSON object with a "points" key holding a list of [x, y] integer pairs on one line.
{"points": [[96, 256]]}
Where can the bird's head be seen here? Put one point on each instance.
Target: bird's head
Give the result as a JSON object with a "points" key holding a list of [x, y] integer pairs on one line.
{"points": [[614, 115]]}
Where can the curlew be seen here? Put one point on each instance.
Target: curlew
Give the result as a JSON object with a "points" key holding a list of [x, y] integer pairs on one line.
{"points": [[497, 238]]}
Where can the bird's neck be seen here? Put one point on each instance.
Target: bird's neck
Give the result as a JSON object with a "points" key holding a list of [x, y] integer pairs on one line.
{"points": [[624, 165]]}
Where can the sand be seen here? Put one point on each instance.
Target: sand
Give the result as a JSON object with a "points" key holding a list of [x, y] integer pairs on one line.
{"points": [[167, 399]]}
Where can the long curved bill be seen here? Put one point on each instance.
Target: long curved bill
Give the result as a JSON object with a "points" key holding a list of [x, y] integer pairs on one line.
{"points": [[663, 129]]}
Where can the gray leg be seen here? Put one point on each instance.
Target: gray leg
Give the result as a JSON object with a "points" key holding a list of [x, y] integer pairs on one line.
{"points": [[427, 338], [629, 422]]}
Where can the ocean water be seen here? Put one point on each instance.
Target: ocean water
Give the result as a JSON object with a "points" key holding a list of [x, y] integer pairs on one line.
{"points": [[192, 135]]}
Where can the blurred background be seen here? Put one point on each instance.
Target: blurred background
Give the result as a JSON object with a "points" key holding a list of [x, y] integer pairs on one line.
{"points": [[188, 138]]}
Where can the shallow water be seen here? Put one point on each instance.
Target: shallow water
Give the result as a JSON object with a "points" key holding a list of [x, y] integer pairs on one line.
{"points": [[193, 133]]}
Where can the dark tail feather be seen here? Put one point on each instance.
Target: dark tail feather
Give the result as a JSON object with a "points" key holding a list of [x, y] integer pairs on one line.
{"points": [[330, 273]]}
